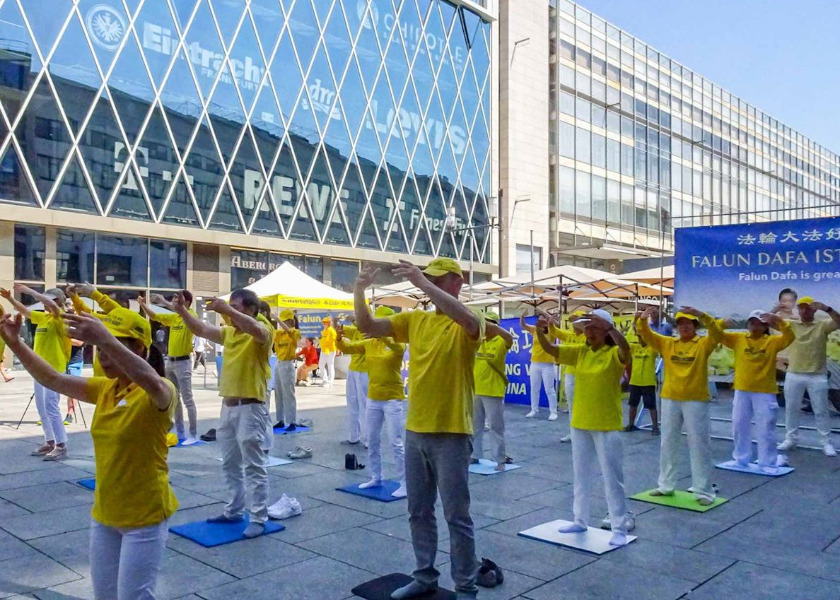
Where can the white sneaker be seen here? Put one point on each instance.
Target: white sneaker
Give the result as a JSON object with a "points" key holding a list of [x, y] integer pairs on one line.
{"points": [[788, 444], [629, 522], [400, 492], [189, 440], [829, 450], [552, 417], [531, 414], [284, 508], [566, 439]]}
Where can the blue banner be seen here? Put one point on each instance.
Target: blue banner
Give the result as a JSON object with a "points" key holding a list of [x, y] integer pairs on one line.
{"points": [[518, 363]]}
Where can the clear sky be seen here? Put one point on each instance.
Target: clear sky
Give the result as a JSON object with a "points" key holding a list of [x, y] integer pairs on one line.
{"points": [[782, 56]]}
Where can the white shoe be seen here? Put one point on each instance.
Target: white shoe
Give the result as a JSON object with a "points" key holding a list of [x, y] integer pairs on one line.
{"points": [[284, 508], [400, 492], [788, 444], [189, 440], [566, 439], [829, 450], [370, 484], [531, 414], [629, 522], [552, 417]]}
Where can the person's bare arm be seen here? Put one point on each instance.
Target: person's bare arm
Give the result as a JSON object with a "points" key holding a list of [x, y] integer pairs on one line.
{"points": [[835, 316], [161, 301], [624, 352], [491, 329], [194, 324], [449, 305], [16, 304], [365, 321], [524, 325], [542, 323], [239, 320]]}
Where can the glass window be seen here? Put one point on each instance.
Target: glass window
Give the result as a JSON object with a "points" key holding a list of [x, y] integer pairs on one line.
{"points": [[599, 198], [613, 201], [122, 260], [526, 257], [314, 267], [74, 256], [583, 59], [613, 72], [246, 267], [168, 264], [626, 160], [627, 209], [613, 121], [582, 144], [599, 150], [567, 50], [599, 66], [344, 274], [627, 127], [567, 140], [567, 103], [613, 155], [567, 190], [584, 110], [640, 164], [30, 250], [599, 117], [583, 195]]}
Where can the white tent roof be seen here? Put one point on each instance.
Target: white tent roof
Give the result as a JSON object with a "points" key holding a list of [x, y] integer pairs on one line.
{"points": [[654, 275], [289, 287]]}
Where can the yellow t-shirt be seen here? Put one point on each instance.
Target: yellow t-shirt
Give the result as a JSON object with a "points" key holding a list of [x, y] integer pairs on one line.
{"points": [[686, 363], [51, 340], [246, 363], [285, 343], [597, 386], [129, 442], [383, 362], [327, 341], [566, 336], [357, 360], [490, 377], [538, 355], [755, 359], [180, 336], [643, 371], [440, 384], [807, 353]]}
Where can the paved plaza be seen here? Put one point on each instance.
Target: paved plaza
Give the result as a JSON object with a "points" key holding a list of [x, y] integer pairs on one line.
{"points": [[775, 538]]}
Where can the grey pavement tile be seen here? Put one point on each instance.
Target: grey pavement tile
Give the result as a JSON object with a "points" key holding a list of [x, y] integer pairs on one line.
{"points": [[59, 520], [398, 526], [544, 514], [317, 579], [182, 575], [656, 557], [558, 497], [28, 479], [323, 520], [745, 580], [791, 530], [190, 499], [70, 549], [46, 496], [7, 509], [501, 510], [314, 485], [678, 527], [514, 584], [31, 572], [11, 547], [81, 589], [386, 510], [512, 486], [605, 580], [245, 558]]}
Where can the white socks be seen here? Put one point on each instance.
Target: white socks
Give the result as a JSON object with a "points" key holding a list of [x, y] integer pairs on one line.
{"points": [[572, 528], [370, 484], [618, 539]]}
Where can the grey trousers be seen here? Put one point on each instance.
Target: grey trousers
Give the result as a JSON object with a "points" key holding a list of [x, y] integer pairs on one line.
{"points": [[179, 372], [492, 409], [440, 462], [284, 391]]}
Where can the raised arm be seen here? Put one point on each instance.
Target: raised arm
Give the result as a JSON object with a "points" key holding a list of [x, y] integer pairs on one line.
{"points": [[349, 347], [835, 316], [446, 303], [239, 320], [491, 329], [542, 323], [105, 302], [783, 327], [91, 330], [365, 321], [524, 325], [643, 330], [194, 324], [16, 304], [624, 353], [727, 339]]}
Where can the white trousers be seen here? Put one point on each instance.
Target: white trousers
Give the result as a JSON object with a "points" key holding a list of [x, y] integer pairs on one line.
{"points": [[179, 372], [326, 363], [589, 450], [357, 389], [284, 391], [764, 407], [245, 437], [695, 415], [569, 389], [817, 386], [492, 410], [392, 413], [124, 563], [544, 375], [49, 410]]}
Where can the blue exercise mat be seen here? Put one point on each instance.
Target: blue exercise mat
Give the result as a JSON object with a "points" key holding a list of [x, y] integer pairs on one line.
{"points": [[216, 534], [298, 429], [488, 467], [754, 469], [381, 493], [89, 483], [181, 444]]}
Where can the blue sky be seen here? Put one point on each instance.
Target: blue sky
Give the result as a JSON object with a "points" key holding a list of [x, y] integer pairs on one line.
{"points": [[779, 55]]}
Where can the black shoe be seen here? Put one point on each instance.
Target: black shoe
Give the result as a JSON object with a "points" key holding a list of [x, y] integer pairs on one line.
{"points": [[473, 461], [291, 427], [654, 431], [631, 428], [68, 419], [808, 409], [280, 425], [210, 436], [508, 460]]}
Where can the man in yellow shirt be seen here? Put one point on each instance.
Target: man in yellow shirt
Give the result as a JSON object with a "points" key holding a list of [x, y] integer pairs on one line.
{"points": [[327, 344], [490, 388], [357, 388], [286, 339], [244, 431], [807, 371], [643, 384], [178, 360], [685, 398], [542, 373], [439, 428], [53, 345]]}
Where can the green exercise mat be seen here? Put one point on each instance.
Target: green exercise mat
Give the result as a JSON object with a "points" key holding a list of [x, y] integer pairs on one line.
{"points": [[679, 499]]}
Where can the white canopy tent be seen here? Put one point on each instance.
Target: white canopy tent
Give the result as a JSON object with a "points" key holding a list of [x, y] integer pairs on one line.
{"points": [[289, 287]]}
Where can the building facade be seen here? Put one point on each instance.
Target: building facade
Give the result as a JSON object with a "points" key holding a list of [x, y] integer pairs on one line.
{"points": [[200, 143]]}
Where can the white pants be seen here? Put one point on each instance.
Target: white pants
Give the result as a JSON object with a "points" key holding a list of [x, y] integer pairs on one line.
{"points": [[603, 448], [491, 409], [764, 407], [49, 410], [569, 389], [326, 363], [245, 437], [179, 372], [284, 391], [392, 413], [695, 415], [544, 375], [357, 389], [124, 563], [817, 386]]}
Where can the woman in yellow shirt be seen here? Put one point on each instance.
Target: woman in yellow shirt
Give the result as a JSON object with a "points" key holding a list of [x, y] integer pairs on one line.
{"points": [[755, 386], [134, 403], [286, 339], [596, 418], [543, 373], [385, 400]]}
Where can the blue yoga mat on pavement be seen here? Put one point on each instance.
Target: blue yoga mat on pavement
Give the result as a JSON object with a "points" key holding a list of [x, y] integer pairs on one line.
{"points": [[198, 443], [381, 493], [216, 534], [89, 483], [754, 469], [298, 429]]}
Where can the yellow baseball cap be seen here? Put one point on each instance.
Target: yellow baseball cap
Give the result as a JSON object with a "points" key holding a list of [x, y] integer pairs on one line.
{"points": [[492, 316], [287, 315], [805, 300], [682, 315], [125, 323], [326, 320], [383, 311], [442, 266]]}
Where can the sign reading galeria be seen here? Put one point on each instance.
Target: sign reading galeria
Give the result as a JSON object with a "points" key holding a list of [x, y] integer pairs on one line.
{"points": [[730, 270]]}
